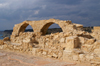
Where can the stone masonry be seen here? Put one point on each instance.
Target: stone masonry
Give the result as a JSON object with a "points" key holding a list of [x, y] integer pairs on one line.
{"points": [[71, 44]]}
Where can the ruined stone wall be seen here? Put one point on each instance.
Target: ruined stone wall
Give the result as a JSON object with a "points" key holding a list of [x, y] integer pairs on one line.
{"points": [[57, 45], [72, 44], [96, 32], [43, 25]]}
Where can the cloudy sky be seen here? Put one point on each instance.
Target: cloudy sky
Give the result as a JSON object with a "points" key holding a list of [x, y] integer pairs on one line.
{"points": [[86, 12]]}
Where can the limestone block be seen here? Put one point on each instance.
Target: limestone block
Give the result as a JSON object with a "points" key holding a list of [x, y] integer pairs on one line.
{"points": [[96, 45], [55, 41], [72, 42], [47, 39], [97, 51], [96, 35], [53, 48], [66, 34], [55, 55], [77, 51], [55, 37], [80, 33], [79, 25], [6, 39], [97, 42], [87, 48], [61, 34], [47, 44], [25, 45], [1, 47], [42, 45], [44, 53], [90, 41], [26, 40], [67, 55], [82, 40], [1, 42], [96, 28], [20, 42], [62, 40], [10, 47], [63, 45], [75, 57], [82, 57], [34, 51], [60, 54], [57, 46], [16, 48], [49, 53], [89, 57]]}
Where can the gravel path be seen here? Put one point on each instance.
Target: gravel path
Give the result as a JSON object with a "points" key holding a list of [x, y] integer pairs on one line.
{"points": [[9, 58]]}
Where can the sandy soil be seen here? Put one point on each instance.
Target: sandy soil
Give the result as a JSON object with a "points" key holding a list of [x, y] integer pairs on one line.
{"points": [[10, 58]]}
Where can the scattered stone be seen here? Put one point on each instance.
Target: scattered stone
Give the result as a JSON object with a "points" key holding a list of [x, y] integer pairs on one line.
{"points": [[6, 39]]}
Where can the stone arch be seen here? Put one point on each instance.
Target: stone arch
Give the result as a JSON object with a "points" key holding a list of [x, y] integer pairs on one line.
{"points": [[43, 25], [47, 25], [23, 27]]}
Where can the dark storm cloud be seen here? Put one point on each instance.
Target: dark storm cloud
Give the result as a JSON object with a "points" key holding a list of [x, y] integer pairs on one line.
{"points": [[68, 2], [86, 12]]}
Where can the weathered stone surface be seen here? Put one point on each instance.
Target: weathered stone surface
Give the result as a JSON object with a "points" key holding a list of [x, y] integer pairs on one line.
{"points": [[42, 26], [96, 32], [1, 42], [87, 48], [62, 40], [82, 57], [75, 57], [6, 39], [67, 55], [90, 41], [71, 44], [82, 40], [1, 47], [97, 51], [89, 57], [34, 50], [96, 29]]}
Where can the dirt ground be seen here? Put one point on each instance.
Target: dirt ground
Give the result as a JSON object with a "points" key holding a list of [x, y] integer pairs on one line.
{"points": [[10, 58]]}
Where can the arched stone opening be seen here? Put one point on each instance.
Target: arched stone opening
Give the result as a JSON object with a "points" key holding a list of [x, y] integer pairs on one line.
{"points": [[23, 27], [29, 29], [46, 26]]}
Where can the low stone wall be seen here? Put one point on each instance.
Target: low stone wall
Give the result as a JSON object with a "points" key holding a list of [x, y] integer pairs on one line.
{"points": [[76, 46]]}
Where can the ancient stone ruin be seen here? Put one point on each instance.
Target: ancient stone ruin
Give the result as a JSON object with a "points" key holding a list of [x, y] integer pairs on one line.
{"points": [[73, 43]]}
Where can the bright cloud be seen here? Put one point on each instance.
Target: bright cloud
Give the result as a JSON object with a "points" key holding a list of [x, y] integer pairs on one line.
{"points": [[2, 5], [36, 12]]}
